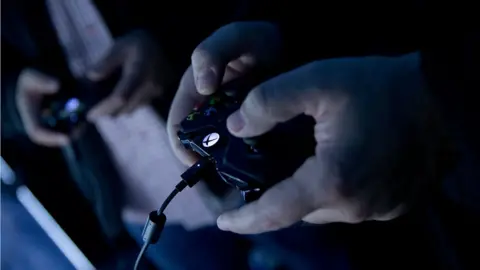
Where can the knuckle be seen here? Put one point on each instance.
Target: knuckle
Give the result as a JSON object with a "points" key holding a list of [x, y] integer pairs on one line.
{"points": [[235, 29], [23, 78], [258, 102], [201, 55], [23, 74], [271, 221]]}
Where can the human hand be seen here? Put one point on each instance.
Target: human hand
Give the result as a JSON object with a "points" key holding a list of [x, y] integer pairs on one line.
{"points": [[373, 148], [32, 86], [229, 53], [145, 73]]}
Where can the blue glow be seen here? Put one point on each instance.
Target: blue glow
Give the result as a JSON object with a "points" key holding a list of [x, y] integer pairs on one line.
{"points": [[72, 105]]}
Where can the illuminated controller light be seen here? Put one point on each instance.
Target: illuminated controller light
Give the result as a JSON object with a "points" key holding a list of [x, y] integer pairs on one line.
{"points": [[72, 105], [211, 139]]}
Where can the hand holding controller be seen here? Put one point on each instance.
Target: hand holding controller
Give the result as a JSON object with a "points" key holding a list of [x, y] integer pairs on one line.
{"points": [[62, 113], [66, 110], [250, 165]]}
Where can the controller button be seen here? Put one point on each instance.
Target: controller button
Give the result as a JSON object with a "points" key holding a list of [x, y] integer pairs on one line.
{"points": [[214, 100], [191, 116], [197, 106], [211, 139], [209, 111]]}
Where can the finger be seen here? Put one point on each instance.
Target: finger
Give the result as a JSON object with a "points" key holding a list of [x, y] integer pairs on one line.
{"points": [[230, 42], [347, 212], [238, 68], [330, 215], [28, 106], [132, 78], [109, 106], [31, 80], [277, 100], [47, 138], [31, 86], [141, 97], [281, 206], [185, 100], [112, 60], [188, 158], [28, 110]]}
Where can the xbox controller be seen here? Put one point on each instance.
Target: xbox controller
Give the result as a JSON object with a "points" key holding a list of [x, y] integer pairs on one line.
{"points": [[66, 110], [251, 165]]}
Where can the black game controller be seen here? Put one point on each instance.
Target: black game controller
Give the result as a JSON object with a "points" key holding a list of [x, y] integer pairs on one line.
{"points": [[250, 165], [65, 111], [63, 114]]}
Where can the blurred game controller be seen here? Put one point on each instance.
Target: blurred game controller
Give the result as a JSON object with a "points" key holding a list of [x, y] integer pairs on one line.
{"points": [[65, 111], [250, 165]]}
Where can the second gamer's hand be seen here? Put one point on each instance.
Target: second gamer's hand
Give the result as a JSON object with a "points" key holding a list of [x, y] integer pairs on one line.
{"points": [[145, 73], [32, 87]]}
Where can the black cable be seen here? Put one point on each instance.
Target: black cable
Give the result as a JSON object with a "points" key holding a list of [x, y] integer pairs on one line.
{"points": [[167, 201], [151, 227], [157, 219]]}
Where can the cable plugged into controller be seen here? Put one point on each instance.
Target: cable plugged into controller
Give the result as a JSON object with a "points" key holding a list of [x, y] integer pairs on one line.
{"points": [[157, 219]]}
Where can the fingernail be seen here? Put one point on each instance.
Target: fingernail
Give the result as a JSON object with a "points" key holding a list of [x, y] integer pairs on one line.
{"points": [[235, 122], [206, 82], [222, 223]]}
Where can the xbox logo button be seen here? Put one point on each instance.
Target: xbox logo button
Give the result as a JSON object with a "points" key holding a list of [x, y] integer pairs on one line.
{"points": [[211, 139]]}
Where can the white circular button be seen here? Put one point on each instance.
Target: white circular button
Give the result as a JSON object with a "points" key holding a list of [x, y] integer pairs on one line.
{"points": [[211, 139]]}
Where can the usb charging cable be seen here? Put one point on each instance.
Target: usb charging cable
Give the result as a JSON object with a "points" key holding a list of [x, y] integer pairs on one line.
{"points": [[157, 219]]}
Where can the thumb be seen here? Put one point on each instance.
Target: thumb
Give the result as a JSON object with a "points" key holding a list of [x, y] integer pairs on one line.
{"points": [[281, 206], [34, 81], [275, 101]]}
